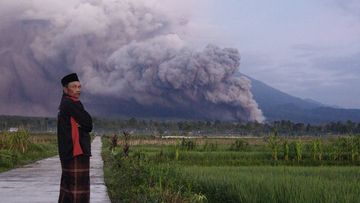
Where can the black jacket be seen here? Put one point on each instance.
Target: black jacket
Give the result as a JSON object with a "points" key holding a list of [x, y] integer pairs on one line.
{"points": [[73, 108]]}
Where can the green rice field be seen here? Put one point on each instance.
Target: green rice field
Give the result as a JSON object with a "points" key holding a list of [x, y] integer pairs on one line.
{"points": [[209, 170]]}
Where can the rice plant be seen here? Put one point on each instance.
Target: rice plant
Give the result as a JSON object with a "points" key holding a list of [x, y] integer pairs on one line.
{"points": [[275, 184], [286, 150], [298, 150], [274, 143]]}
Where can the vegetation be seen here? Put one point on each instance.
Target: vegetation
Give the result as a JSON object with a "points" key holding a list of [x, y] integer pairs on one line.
{"points": [[135, 178], [274, 144], [239, 145], [187, 144], [236, 170], [19, 148], [275, 184], [214, 127]]}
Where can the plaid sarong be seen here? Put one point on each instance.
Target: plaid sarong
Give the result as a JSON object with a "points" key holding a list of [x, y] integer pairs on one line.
{"points": [[75, 180]]}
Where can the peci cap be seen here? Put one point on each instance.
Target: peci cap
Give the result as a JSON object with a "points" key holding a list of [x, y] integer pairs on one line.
{"points": [[69, 78]]}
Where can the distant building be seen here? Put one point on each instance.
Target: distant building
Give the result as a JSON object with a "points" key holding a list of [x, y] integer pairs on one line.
{"points": [[13, 129]]}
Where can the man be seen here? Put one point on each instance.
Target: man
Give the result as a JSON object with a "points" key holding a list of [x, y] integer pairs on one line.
{"points": [[74, 125]]}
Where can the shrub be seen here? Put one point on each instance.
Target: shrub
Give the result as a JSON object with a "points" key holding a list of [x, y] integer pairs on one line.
{"points": [[239, 145], [187, 144], [16, 141], [8, 158], [210, 146]]}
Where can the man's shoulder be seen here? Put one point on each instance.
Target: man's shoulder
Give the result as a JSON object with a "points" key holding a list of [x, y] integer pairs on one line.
{"points": [[65, 102], [69, 103], [68, 100]]}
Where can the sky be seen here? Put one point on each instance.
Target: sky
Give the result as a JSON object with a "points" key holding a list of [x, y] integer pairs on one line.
{"points": [[309, 49]]}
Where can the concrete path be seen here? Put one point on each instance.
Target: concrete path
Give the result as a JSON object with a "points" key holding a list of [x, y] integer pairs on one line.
{"points": [[40, 182]]}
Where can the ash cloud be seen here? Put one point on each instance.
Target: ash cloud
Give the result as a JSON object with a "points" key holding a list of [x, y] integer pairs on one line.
{"points": [[129, 55]]}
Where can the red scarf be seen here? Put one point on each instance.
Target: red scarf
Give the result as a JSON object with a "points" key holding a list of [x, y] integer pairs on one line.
{"points": [[75, 132]]}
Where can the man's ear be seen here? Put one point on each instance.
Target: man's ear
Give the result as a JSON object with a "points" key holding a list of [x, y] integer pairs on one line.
{"points": [[65, 90]]}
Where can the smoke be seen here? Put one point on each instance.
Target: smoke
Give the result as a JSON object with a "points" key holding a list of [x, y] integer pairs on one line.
{"points": [[130, 57]]}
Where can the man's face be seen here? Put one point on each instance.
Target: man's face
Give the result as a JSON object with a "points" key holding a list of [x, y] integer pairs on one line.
{"points": [[73, 89]]}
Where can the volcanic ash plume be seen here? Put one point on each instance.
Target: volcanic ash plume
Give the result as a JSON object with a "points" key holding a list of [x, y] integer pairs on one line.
{"points": [[129, 52]]}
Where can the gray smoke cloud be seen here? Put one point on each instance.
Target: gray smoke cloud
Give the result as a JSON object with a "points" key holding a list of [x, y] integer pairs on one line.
{"points": [[129, 55]]}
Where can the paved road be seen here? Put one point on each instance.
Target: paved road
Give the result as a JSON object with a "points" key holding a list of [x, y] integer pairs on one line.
{"points": [[40, 182]]}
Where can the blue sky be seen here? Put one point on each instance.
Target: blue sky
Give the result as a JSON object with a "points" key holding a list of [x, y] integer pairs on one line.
{"points": [[310, 49]]}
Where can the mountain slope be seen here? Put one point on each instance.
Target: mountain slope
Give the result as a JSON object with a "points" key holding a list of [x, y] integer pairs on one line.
{"points": [[277, 105]]}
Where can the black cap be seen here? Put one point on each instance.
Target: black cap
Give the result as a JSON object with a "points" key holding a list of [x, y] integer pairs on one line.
{"points": [[69, 78]]}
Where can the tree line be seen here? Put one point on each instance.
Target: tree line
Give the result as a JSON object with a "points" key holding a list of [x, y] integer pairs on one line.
{"points": [[167, 127]]}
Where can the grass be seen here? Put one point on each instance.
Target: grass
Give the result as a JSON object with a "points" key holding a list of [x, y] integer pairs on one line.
{"points": [[138, 179], [275, 184], [39, 146], [253, 155], [230, 172]]}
